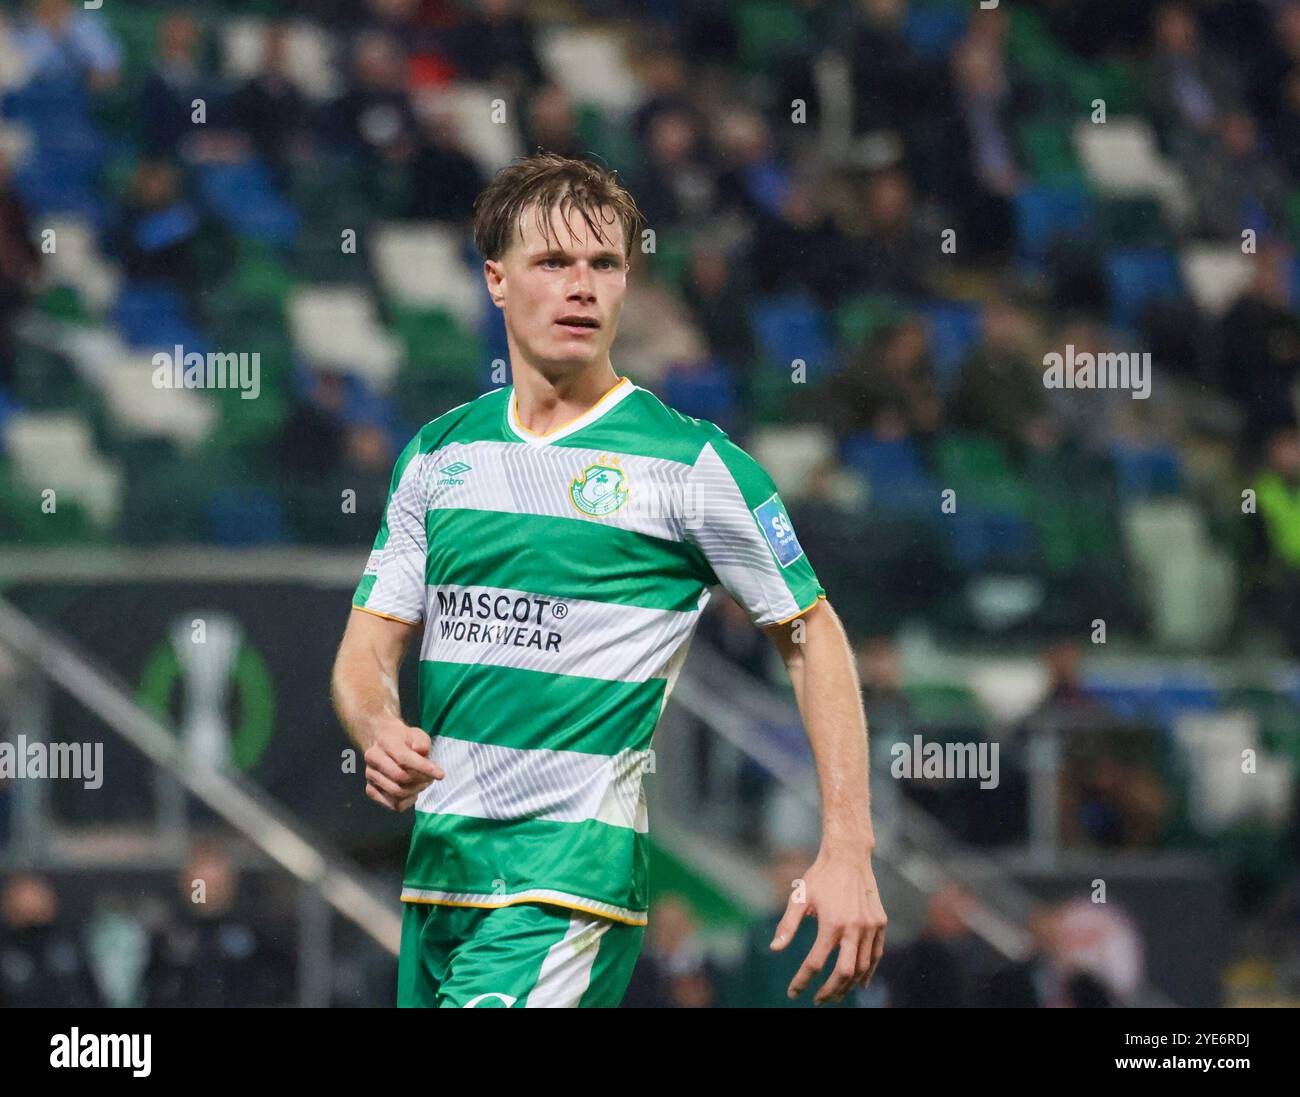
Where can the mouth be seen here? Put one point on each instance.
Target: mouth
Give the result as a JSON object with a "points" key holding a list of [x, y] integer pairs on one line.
{"points": [[579, 325]]}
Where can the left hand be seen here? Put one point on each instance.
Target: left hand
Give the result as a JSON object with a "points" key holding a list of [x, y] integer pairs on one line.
{"points": [[840, 892]]}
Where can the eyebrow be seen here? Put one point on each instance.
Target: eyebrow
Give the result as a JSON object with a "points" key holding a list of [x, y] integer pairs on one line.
{"points": [[560, 253]]}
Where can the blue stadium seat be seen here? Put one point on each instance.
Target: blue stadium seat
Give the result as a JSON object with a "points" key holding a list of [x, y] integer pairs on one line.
{"points": [[932, 30], [154, 316], [1044, 214], [955, 327], [1135, 277], [981, 538], [792, 327], [245, 516], [243, 196], [897, 475], [705, 390], [1143, 472]]}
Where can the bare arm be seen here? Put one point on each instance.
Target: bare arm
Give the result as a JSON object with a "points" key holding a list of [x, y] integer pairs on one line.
{"points": [[840, 887], [363, 688]]}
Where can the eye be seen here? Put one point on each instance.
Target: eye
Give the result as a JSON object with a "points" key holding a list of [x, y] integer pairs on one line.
{"points": [[605, 264], [549, 260]]}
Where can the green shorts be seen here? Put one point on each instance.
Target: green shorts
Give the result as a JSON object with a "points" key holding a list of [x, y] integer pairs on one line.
{"points": [[526, 955]]}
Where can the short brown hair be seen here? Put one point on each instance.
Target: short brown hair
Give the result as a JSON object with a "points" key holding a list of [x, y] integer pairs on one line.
{"points": [[550, 180]]}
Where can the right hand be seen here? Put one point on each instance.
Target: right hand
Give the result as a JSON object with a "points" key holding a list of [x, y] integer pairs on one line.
{"points": [[398, 768]]}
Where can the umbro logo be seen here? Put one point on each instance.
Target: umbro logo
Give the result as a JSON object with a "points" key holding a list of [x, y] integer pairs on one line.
{"points": [[451, 473]]}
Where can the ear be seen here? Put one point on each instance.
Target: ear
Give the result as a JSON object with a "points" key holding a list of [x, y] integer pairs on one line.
{"points": [[495, 276]]}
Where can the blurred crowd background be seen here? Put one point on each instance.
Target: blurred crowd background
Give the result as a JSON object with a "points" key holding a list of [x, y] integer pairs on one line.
{"points": [[912, 201]]}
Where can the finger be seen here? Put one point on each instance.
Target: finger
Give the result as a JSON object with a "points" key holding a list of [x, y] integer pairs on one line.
{"points": [[789, 924], [846, 967], [378, 758], [864, 969], [417, 763], [394, 789], [877, 951], [402, 805], [813, 963], [379, 798]]}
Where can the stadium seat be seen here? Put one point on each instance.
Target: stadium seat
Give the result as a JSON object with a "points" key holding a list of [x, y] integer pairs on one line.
{"points": [[591, 64], [895, 470], [243, 196], [792, 454], [954, 329], [1188, 585], [148, 315], [76, 261], [933, 30], [791, 328], [245, 516], [705, 390], [1136, 277], [1045, 214], [421, 265], [137, 408], [1142, 472], [1122, 160], [979, 471], [310, 50], [57, 451], [1215, 275], [337, 328]]}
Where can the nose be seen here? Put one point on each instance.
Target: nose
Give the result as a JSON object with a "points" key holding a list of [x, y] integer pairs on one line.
{"points": [[581, 284]]}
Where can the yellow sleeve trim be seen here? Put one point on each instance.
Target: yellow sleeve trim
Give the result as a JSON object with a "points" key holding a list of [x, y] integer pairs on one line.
{"points": [[799, 614], [386, 616]]}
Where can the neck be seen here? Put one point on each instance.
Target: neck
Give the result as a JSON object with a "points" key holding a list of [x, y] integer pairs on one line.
{"points": [[545, 403]]}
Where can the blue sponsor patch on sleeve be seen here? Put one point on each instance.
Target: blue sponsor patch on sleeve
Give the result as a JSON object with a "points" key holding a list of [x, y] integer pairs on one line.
{"points": [[779, 531]]}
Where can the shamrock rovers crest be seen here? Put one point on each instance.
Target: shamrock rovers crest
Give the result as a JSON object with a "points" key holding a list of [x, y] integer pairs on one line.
{"points": [[601, 489]]}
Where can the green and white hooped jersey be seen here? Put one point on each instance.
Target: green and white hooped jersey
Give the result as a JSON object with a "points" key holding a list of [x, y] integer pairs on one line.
{"points": [[559, 579]]}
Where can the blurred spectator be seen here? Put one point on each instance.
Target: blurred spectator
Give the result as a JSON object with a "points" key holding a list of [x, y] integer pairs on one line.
{"points": [[158, 230], [888, 709], [655, 330], [674, 971], [717, 291], [899, 254], [678, 187], [1236, 184], [941, 967], [375, 111], [1000, 390], [167, 98], [986, 174], [1272, 585], [271, 110], [1261, 344], [1046, 978], [444, 181], [494, 44], [63, 44], [888, 387], [216, 950], [551, 123], [19, 267], [43, 964], [1190, 86], [789, 253]]}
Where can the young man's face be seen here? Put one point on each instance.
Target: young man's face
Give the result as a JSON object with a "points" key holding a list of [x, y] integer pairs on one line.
{"points": [[562, 298]]}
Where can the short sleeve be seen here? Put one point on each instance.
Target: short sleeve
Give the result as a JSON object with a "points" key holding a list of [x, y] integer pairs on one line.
{"points": [[393, 584], [736, 519]]}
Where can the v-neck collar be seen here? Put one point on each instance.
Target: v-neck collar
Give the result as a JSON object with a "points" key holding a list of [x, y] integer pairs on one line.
{"points": [[603, 406]]}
